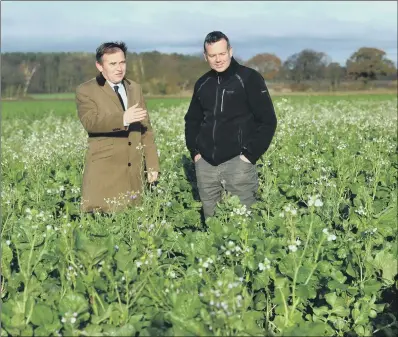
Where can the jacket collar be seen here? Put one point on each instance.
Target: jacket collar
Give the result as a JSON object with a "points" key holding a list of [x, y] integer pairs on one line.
{"points": [[227, 73], [101, 80]]}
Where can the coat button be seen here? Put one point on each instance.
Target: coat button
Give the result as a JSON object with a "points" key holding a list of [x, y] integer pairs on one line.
{"points": [[129, 143], [129, 164]]}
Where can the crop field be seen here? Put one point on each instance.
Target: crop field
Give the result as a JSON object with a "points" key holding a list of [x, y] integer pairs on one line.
{"points": [[315, 256]]}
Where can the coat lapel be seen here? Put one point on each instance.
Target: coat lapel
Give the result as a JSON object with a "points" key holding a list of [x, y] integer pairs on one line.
{"points": [[129, 94], [104, 85], [112, 94]]}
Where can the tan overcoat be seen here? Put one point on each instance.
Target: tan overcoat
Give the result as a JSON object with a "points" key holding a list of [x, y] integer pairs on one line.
{"points": [[117, 156]]}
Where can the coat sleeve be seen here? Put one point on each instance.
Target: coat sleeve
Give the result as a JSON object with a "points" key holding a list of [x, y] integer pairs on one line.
{"points": [[193, 120], [148, 140], [91, 119], [264, 115]]}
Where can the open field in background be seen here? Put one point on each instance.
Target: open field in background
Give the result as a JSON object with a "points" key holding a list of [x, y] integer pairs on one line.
{"points": [[316, 256], [64, 104], [35, 109]]}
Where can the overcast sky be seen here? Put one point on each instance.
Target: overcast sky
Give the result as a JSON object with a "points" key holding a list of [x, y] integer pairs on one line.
{"points": [[282, 27]]}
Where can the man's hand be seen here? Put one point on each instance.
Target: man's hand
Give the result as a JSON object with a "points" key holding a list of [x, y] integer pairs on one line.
{"points": [[134, 114], [245, 159], [197, 157], [152, 176]]}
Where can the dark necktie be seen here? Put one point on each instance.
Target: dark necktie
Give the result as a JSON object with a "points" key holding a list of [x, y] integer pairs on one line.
{"points": [[116, 87]]}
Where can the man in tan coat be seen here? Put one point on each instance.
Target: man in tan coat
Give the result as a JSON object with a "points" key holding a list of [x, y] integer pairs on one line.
{"points": [[121, 144]]}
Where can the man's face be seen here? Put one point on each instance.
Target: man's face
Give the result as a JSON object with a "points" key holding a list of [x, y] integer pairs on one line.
{"points": [[113, 66], [218, 55]]}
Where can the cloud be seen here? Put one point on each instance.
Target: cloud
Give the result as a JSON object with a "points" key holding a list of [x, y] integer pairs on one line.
{"points": [[337, 28]]}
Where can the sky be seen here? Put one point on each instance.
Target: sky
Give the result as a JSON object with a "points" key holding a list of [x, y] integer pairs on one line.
{"points": [[283, 28]]}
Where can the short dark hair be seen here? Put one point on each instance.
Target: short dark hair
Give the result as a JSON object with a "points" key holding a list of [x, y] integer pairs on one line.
{"points": [[110, 48], [215, 37]]}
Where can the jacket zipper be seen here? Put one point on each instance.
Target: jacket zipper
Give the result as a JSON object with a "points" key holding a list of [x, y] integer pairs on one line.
{"points": [[222, 99], [215, 120], [240, 137]]}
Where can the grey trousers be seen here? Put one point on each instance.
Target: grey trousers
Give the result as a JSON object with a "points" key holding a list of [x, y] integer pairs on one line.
{"points": [[235, 176]]}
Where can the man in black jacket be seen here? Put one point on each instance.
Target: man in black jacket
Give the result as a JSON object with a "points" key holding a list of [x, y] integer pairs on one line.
{"points": [[229, 125]]}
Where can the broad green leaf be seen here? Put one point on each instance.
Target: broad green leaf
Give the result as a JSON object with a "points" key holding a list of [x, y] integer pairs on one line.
{"points": [[388, 264], [331, 298], [125, 330], [93, 330], [187, 306], [6, 257], [42, 315], [73, 302], [260, 301], [338, 276], [308, 329], [371, 287]]}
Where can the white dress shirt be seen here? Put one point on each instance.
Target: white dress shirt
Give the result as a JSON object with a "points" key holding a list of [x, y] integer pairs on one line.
{"points": [[123, 94]]}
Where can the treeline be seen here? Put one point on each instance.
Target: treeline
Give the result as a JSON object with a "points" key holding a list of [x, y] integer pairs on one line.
{"points": [[162, 74]]}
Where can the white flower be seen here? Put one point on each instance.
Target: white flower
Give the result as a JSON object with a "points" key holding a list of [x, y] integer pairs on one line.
{"points": [[325, 230], [63, 320], [138, 263], [73, 320], [293, 248], [206, 265], [227, 252], [331, 237], [261, 266], [298, 242], [318, 203], [315, 201], [75, 314], [8, 242], [49, 227], [159, 251]]}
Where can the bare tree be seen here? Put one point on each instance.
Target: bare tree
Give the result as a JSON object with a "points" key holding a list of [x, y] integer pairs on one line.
{"points": [[28, 71]]}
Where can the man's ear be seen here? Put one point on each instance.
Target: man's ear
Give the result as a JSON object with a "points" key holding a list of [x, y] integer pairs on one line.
{"points": [[205, 56], [231, 52], [99, 67]]}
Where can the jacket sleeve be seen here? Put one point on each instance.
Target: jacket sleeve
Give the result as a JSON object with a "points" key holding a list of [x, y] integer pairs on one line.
{"points": [[90, 117], [193, 120], [148, 140], [264, 116]]}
